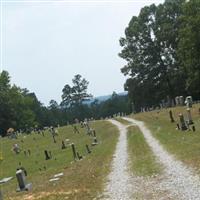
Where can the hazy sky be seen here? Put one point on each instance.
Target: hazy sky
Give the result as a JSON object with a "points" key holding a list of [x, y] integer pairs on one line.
{"points": [[46, 43]]}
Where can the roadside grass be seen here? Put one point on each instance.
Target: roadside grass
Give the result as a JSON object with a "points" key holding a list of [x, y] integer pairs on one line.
{"points": [[82, 179], [123, 121], [142, 159], [185, 145]]}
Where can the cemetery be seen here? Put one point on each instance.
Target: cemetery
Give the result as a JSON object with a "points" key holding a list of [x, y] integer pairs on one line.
{"points": [[184, 140], [55, 170]]}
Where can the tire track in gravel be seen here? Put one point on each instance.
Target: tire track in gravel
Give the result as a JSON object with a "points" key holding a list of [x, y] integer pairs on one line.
{"points": [[179, 179], [119, 181]]}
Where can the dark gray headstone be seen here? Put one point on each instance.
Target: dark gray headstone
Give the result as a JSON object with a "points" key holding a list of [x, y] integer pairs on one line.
{"points": [[21, 179], [88, 149], [47, 156], [171, 116], [182, 122], [74, 151]]}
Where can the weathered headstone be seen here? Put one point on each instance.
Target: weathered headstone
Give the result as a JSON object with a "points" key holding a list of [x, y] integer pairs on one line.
{"points": [[171, 116], [74, 151], [189, 116], [54, 140], [63, 145], [177, 127], [1, 195], [79, 156], [21, 179], [47, 157], [182, 122], [76, 129], [188, 101], [88, 149], [181, 100], [95, 142]]}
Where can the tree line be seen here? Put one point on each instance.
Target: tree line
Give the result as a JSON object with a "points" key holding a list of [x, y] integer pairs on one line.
{"points": [[21, 110], [162, 50]]}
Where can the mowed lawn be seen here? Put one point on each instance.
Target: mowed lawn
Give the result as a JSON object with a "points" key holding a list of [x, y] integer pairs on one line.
{"points": [[142, 159], [185, 145], [83, 179]]}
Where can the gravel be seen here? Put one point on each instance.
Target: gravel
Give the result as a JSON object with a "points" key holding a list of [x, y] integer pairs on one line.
{"points": [[179, 179], [119, 180]]}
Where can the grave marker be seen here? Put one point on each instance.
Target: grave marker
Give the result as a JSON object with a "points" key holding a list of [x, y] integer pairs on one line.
{"points": [[189, 116], [63, 145], [21, 179], [88, 149], [79, 156], [47, 157], [171, 116], [182, 122], [74, 151]]}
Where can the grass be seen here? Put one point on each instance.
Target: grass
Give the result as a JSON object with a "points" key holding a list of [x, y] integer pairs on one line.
{"points": [[123, 121], [82, 179], [185, 145], [143, 161]]}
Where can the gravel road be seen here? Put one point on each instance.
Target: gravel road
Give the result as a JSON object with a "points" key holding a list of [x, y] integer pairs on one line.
{"points": [[179, 179]]}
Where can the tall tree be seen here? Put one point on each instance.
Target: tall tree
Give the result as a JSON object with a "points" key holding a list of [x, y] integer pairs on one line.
{"points": [[74, 95], [189, 46], [149, 47]]}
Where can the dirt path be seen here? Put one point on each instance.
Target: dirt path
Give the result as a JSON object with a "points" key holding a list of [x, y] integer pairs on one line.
{"points": [[119, 181], [179, 179], [123, 185]]}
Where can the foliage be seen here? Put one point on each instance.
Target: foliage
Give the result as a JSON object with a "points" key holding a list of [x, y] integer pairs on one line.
{"points": [[21, 110], [161, 47]]}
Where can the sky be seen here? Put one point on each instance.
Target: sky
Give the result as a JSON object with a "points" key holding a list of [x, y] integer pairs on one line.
{"points": [[45, 43]]}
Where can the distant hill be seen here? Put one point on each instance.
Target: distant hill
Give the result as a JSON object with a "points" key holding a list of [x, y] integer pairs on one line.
{"points": [[104, 98]]}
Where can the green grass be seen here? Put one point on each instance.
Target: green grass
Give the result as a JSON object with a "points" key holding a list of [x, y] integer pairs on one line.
{"points": [[82, 179], [143, 161], [125, 122], [185, 145]]}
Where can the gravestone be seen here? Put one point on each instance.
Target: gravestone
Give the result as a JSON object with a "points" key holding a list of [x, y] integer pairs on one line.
{"points": [[181, 100], [177, 100], [29, 152], [47, 156], [79, 156], [177, 127], [183, 126], [95, 142], [193, 128], [88, 149], [1, 195], [63, 145], [171, 116], [189, 116], [94, 133], [188, 101], [74, 151], [76, 129], [21, 179], [54, 140]]}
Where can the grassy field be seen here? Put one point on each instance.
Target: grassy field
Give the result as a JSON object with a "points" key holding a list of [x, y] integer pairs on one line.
{"points": [[82, 179], [125, 122], [185, 145], [143, 161]]}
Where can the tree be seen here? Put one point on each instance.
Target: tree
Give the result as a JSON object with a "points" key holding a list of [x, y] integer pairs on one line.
{"points": [[76, 94], [149, 47], [189, 46]]}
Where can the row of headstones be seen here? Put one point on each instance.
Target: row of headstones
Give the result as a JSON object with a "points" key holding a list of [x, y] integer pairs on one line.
{"points": [[179, 101], [184, 122], [21, 173]]}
